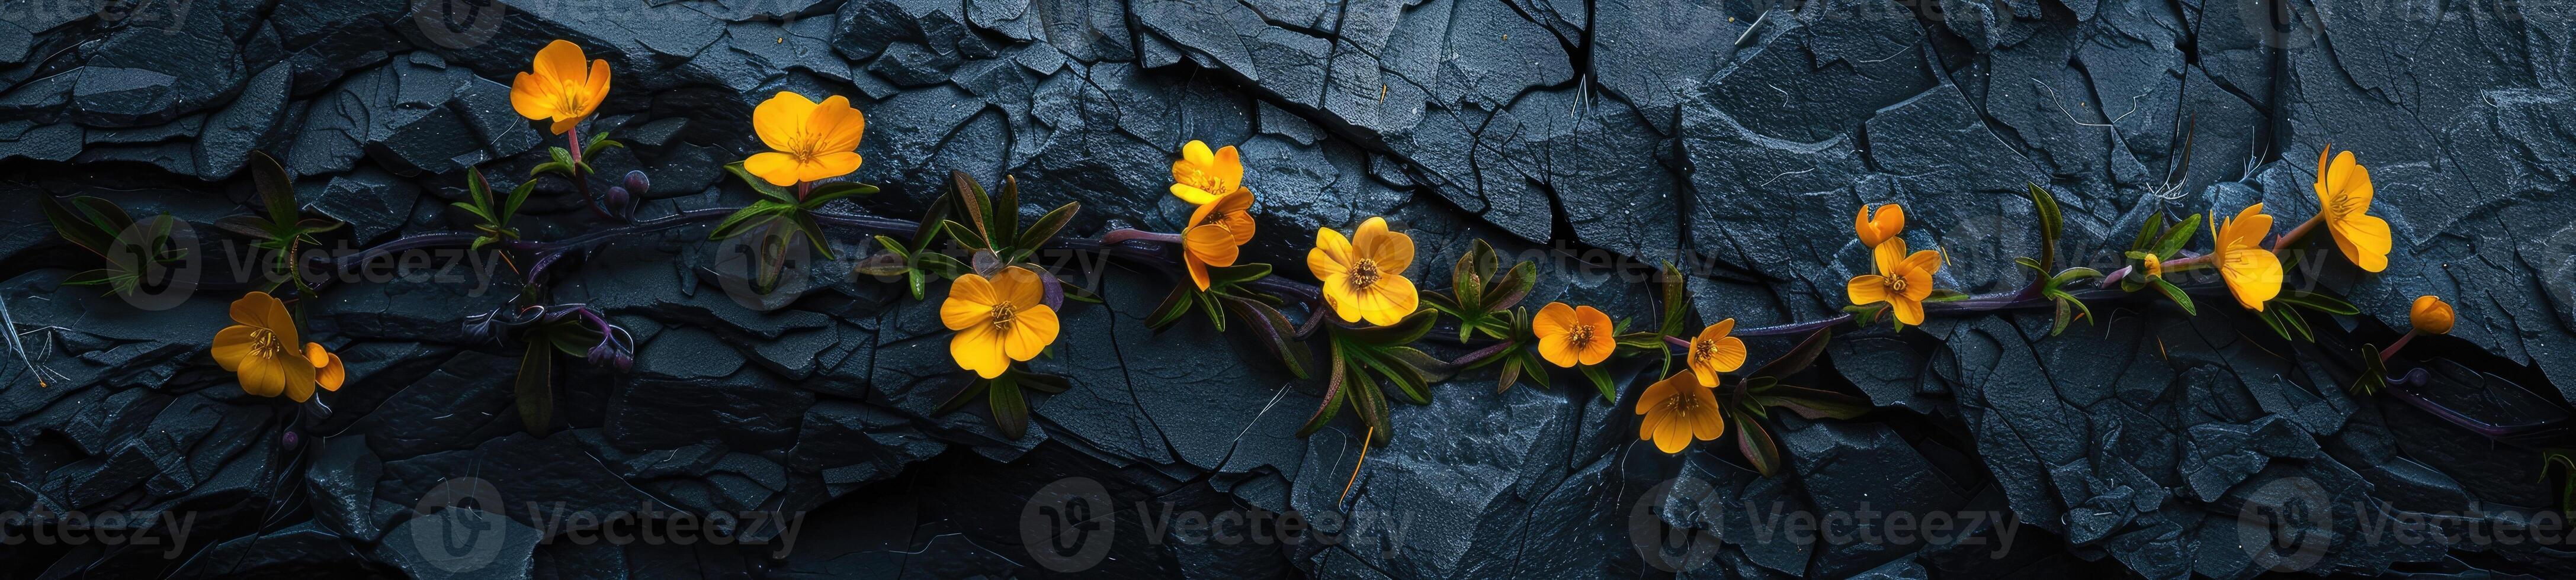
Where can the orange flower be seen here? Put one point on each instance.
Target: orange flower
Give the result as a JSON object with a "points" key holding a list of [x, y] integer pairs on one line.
{"points": [[809, 141], [1217, 233], [2431, 315], [2343, 201], [2252, 273], [563, 87], [326, 366], [997, 321], [1677, 410], [260, 350], [1363, 275], [2155, 266], [1902, 281], [1201, 176], [1874, 230], [1569, 335], [1714, 352]]}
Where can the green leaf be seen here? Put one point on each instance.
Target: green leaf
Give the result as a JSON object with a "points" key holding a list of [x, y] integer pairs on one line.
{"points": [[813, 232], [1335, 389], [1408, 380], [946, 266], [71, 227], [1467, 277], [825, 193], [536, 393], [1006, 211], [1508, 290], [2175, 237], [1237, 274], [1047, 225], [1010, 410], [1814, 403], [1370, 402], [2073, 274], [597, 142], [932, 221], [1511, 374], [749, 217], [2176, 295], [2318, 302], [2149, 231], [518, 197], [276, 190], [2051, 222], [973, 388], [1798, 358], [1754, 441], [563, 157], [1675, 294], [1945, 295], [1049, 384], [760, 186], [1600, 380], [1275, 332], [970, 196], [964, 234], [1405, 331]]}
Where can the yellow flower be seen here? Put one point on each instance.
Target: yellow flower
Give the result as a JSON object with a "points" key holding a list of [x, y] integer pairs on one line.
{"points": [[2431, 315], [261, 350], [809, 141], [2155, 266], [2343, 201], [563, 86], [1874, 230], [2252, 273], [1202, 176], [1677, 410], [1364, 276], [326, 367], [1903, 280], [1217, 233], [997, 321], [1714, 352], [1568, 335]]}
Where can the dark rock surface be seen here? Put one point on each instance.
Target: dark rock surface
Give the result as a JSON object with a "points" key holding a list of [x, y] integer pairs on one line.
{"points": [[1731, 135]]}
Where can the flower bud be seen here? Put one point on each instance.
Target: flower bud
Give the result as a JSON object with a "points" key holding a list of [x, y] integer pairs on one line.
{"points": [[637, 183], [2431, 315], [620, 203]]}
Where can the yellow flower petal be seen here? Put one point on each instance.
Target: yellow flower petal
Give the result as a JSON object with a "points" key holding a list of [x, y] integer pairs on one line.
{"points": [[1197, 153], [1392, 250], [2431, 315], [532, 97], [1909, 312], [233, 346], [1331, 256], [560, 61], [1397, 299], [1031, 331], [1192, 194], [836, 126], [778, 169], [780, 121], [1020, 287], [830, 165], [1867, 289], [1553, 319], [969, 304], [2364, 239], [264, 377], [979, 349]]}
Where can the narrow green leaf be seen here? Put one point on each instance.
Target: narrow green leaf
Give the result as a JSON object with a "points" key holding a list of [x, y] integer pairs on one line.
{"points": [[276, 190], [2149, 231], [1600, 380], [2175, 294], [1237, 274], [1410, 329], [1798, 358], [970, 196], [1046, 227], [2051, 223], [1674, 292], [2318, 302], [758, 185], [1335, 387], [2175, 237], [1006, 211], [1010, 410], [536, 393], [1754, 441], [973, 388]]}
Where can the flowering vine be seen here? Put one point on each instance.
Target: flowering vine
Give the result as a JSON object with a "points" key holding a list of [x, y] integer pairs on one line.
{"points": [[1365, 317]]}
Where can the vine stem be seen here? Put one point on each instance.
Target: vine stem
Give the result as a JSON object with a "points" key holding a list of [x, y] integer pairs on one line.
{"points": [[581, 179], [1157, 249]]}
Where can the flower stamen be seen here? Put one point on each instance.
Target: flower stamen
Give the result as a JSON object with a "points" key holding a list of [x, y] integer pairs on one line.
{"points": [[1364, 274], [1002, 313]]}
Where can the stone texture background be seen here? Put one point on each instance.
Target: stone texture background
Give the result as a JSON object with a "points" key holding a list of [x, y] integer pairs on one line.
{"points": [[1613, 130]]}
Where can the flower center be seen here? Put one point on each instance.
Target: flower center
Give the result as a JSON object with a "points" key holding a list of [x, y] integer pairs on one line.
{"points": [[1896, 283], [1701, 351], [1578, 336], [1002, 313], [1681, 403], [263, 344], [1364, 274], [2342, 205], [568, 99]]}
